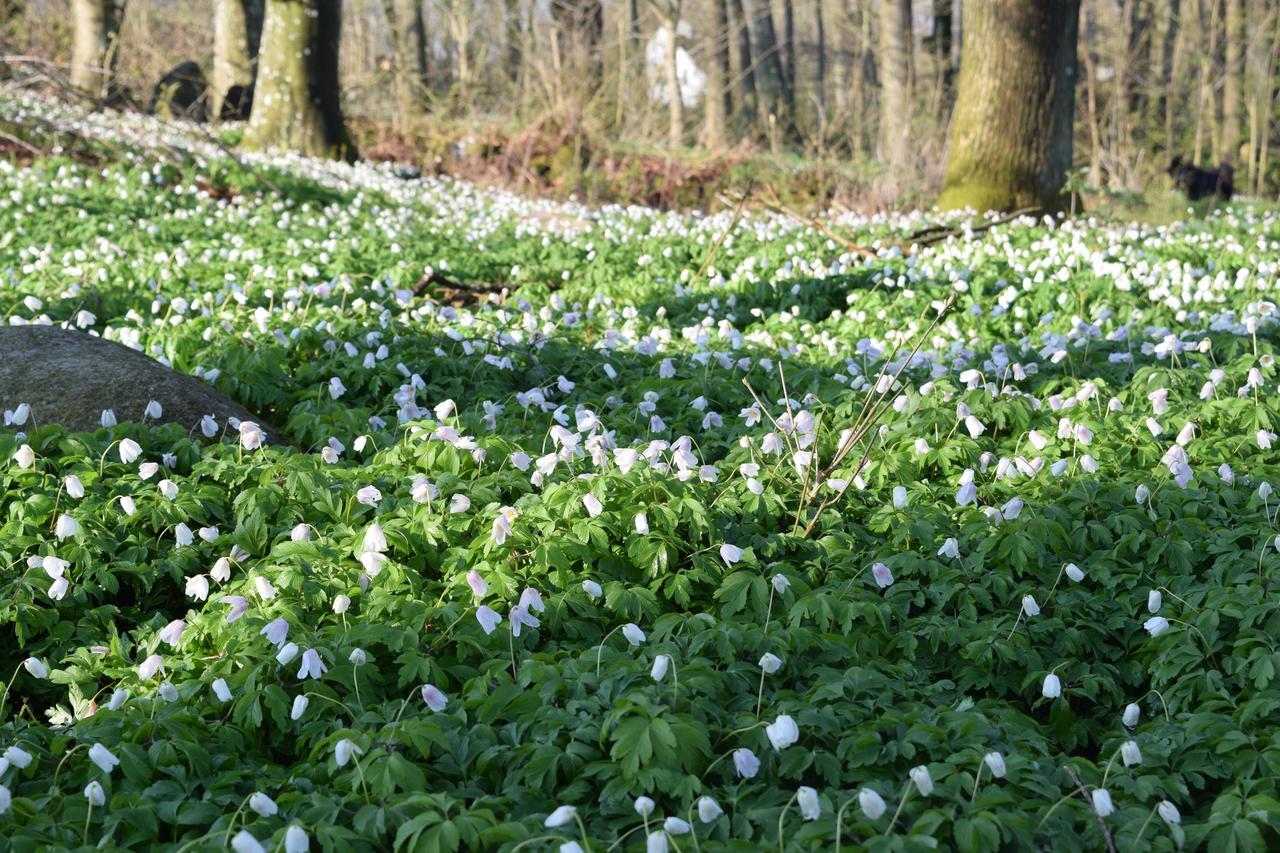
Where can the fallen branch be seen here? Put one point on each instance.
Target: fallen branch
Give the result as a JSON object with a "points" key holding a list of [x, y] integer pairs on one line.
{"points": [[924, 237], [724, 235], [71, 142], [45, 69], [231, 155], [9, 137], [775, 204], [938, 233], [438, 278]]}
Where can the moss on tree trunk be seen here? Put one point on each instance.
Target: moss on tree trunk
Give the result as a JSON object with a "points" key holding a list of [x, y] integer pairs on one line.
{"points": [[295, 104], [1011, 135]]}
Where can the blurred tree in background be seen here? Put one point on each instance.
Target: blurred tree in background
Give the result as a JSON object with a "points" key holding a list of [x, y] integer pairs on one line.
{"points": [[563, 91]]}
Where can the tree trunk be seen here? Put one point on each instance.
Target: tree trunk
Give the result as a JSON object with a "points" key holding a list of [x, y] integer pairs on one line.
{"points": [[1233, 82], [864, 79], [1169, 65], [1266, 97], [1011, 135], [93, 46], [716, 102], [1205, 96], [789, 56], [409, 49], [895, 80], [234, 51], [942, 22], [820, 81], [768, 75], [675, 104], [1091, 110], [746, 61], [296, 105], [623, 78], [515, 44]]}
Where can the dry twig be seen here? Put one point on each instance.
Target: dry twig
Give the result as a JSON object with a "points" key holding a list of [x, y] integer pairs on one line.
{"points": [[1106, 833]]}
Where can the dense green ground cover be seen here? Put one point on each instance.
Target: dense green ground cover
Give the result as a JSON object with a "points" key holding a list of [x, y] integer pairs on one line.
{"points": [[1047, 557]]}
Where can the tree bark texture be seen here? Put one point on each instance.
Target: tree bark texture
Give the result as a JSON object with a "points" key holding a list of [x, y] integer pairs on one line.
{"points": [[94, 31], [1011, 134], [895, 80], [296, 104]]}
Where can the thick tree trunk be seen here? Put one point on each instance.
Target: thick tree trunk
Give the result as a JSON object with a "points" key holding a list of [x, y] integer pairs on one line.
{"points": [[296, 105], [768, 74], [716, 102], [93, 48], [234, 51], [895, 80], [1233, 81], [409, 46], [1011, 135]]}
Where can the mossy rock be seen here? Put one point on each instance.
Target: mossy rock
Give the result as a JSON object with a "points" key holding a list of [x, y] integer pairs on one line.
{"points": [[70, 377]]}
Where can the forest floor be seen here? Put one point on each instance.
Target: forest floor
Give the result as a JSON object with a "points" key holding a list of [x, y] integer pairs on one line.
{"points": [[615, 528]]}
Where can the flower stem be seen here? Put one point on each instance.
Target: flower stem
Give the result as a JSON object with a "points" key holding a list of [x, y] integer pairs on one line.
{"points": [[1162, 702], [600, 650], [730, 752], [1016, 622], [840, 820], [586, 842], [781, 817], [12, 678], [226, 841], [334, 701], [1107, 770], [102, 460], [1054, 808], [768, 614], [977, 778], [363, 786], [1143, 828], [906, 794], [624, 836], [529, 841], [53, 786], [511, 638], [1207, 649]]}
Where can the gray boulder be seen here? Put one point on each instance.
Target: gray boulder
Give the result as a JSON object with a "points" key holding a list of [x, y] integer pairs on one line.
{"points": [[70, 377]]}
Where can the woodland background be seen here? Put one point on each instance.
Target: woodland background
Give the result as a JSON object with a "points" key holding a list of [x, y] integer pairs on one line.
{"points": [[807, 96]]}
